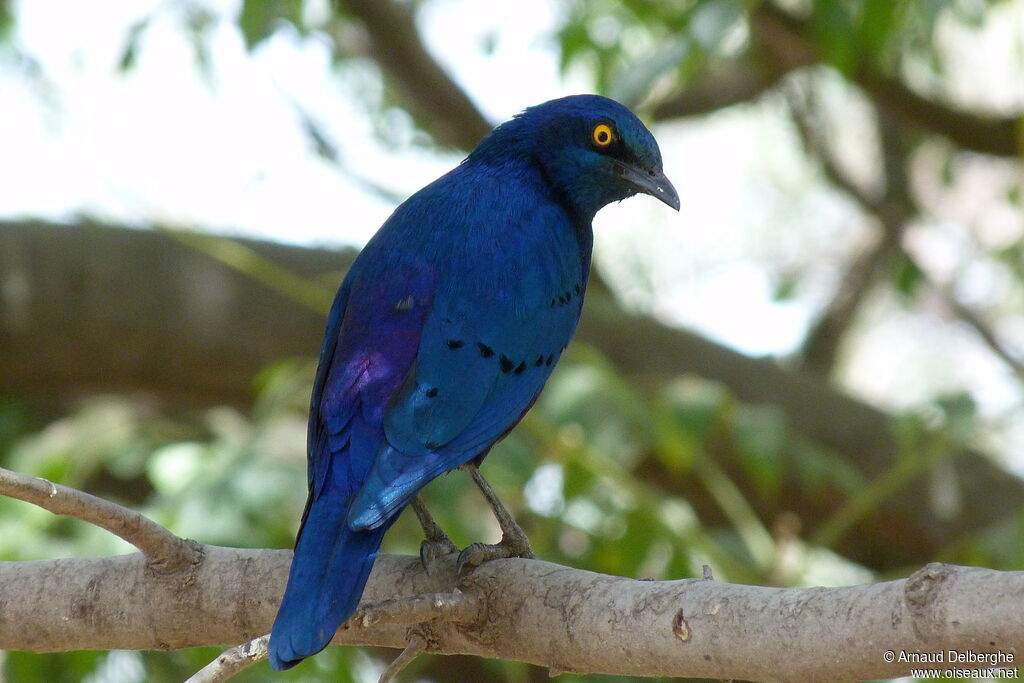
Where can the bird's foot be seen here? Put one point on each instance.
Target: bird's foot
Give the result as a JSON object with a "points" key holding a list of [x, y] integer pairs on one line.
{"points": [[513, 544], [436, 542], [433, 550]]}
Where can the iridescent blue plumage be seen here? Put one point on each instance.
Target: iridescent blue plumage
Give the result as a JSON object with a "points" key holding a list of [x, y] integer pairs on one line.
{"points": [[445, 330]]}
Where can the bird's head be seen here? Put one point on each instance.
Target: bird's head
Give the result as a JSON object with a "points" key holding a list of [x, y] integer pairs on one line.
{"points": [[590, 149]]}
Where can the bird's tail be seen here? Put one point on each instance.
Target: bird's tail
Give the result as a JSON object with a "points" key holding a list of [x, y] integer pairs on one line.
{"points": [[328, 573]]}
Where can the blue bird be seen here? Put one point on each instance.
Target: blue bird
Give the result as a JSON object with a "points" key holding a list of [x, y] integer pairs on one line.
{"points": [[443, 333]]}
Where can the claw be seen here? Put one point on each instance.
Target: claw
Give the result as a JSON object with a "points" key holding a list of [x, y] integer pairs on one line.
{"points": [[436, 542], [426, 554], [476, 554], [432, 550]]}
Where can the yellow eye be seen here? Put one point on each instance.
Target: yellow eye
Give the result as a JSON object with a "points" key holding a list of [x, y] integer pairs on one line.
{"points": [[602, 135]]}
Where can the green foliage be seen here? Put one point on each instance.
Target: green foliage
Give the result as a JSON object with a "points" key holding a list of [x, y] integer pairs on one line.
{"points": [[260, 18], [633, 49], [631, 46], [906, 277], [6, 21]]}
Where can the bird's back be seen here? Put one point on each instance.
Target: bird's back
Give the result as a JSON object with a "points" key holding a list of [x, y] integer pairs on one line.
{"points": [[496, 270]]}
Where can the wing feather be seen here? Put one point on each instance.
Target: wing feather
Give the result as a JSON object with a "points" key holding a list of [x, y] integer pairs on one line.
{"points": [[481, 363]]}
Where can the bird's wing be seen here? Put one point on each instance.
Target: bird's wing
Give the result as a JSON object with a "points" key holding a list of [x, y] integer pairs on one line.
{"points": [[371, 341], [373, 333], [316, 468], [481, 363]]}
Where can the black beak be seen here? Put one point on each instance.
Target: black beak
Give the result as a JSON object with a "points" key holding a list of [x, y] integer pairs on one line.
{"points": [[649, 181]]}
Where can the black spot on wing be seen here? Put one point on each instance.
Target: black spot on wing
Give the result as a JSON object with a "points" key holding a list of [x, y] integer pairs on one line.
{"points": [[509, 365], [567, 296], [431, 392], [454, 344]]}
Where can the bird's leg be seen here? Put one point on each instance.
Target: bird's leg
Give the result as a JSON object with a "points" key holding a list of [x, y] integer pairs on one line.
{"points": [[436, 543], [513, 543]]}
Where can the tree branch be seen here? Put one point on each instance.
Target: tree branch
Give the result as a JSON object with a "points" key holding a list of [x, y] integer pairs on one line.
{"points": [[893, 210], [455, 607], [806, 116], [427, 89], [527, 610], [412, 650], [534, 611], [973, 320], [164, 551], [721, 86], [232, 661], [782, 43], [981, 328], [790, 42]]}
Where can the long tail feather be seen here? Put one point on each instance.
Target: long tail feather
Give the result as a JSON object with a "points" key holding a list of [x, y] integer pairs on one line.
{"points": [[328, 573]]}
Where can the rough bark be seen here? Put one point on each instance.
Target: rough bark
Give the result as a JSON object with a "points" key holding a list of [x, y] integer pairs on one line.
{"points": [[534, 611]]}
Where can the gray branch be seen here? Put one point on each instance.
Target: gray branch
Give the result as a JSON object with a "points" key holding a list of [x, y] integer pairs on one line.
{"points": [[517, 609], [533, 611], [232, 661], [164, 551]]}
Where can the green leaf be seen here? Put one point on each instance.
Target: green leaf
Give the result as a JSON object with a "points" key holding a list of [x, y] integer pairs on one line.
{"points": [[877, 21], [30, 667], [6, 22], [906, 277], [1015, 195], [131, 45], [786, 285], [675, 446], [762, 435], [697, 404], [960, 413], [260, 18], [834, 26], [632, 84]]}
